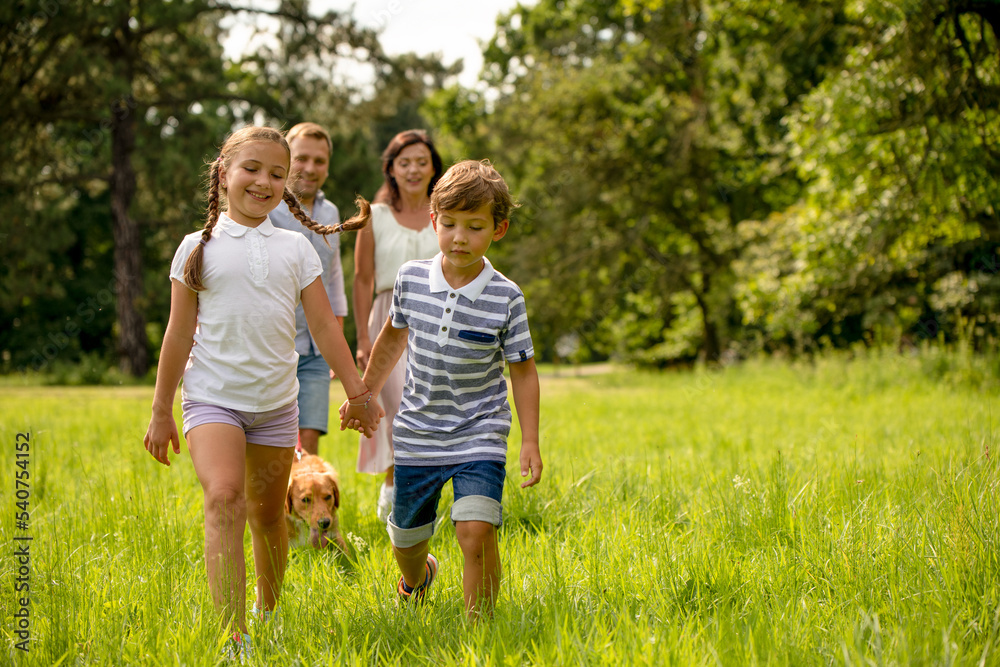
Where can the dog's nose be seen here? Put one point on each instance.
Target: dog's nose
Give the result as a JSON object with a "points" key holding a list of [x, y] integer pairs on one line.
{"points": [[323, 524]]}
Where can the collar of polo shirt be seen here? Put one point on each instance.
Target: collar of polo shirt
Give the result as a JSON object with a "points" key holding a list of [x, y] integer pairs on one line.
{"points": [[236, 230], [438, 283]]}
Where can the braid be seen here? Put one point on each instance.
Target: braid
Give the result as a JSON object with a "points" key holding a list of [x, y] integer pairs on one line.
{"points": [[357, 222], [359, 219], [192, 270]]}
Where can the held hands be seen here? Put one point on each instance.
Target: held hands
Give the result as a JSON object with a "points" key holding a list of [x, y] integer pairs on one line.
{"points": [[531, 461], [363, 414], [162, 432]]}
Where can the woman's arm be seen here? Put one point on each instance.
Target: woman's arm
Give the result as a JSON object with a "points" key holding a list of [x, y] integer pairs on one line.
{"points": [[174, 352], [363, 291]]}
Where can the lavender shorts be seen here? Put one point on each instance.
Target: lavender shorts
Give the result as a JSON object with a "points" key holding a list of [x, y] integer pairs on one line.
{"points": [[274, 428]]}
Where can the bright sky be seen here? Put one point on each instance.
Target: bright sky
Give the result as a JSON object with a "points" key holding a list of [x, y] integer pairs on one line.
{"points": [[453, 28]]}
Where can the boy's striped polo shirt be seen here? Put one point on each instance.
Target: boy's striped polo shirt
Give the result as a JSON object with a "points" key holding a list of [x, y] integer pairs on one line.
{"points": [[454, 407]]}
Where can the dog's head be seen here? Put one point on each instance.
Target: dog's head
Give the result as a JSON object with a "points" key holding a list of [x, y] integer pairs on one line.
{"points": [[313, 497]]}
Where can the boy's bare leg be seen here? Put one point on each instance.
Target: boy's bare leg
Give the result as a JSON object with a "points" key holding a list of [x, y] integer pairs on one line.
{"points": [[481, 573], [412, 562]]}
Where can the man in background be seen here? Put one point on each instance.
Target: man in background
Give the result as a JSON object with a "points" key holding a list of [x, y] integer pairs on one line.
{"points": [[311, 146]]}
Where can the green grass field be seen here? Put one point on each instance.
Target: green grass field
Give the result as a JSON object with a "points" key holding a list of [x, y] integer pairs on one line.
{"points": [[839, 512]]}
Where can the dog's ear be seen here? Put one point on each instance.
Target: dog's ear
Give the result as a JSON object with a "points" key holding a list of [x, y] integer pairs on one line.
{"points": [[336, 492], [288, 498]]}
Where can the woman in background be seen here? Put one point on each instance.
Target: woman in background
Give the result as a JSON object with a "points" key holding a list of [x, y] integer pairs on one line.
{"points": [[400, 231]]}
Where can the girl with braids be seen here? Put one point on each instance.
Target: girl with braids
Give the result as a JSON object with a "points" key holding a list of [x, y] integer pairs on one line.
{"points": [[231, 336]]}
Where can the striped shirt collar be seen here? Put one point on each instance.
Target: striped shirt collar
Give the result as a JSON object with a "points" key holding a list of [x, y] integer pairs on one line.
{"points": [[235, 229], [438, 283]]}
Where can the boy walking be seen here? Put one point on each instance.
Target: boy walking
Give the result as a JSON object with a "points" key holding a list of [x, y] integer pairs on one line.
{"points": [[459, 320]]}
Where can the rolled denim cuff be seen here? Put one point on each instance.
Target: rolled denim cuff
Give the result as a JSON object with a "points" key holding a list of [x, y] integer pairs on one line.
{"points": [[408, 537], [477, 508]]}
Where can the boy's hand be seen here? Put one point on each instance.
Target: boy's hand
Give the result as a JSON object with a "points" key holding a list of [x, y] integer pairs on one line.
{"points": [[531, 461], [361, 418]]}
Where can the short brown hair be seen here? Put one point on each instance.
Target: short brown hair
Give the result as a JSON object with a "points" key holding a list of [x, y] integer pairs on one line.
{"points": [[309, 130], [468, 185]]}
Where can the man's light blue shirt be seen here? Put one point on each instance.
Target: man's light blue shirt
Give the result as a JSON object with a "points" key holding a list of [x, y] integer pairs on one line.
{"points": [[325, 213]]}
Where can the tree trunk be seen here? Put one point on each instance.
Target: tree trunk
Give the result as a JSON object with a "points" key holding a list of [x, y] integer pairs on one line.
{"points": [[710, 347], [132, 342]]}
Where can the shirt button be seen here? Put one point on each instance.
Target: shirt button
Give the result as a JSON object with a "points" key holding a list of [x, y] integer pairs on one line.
{"points": [[444, 328], [447, 310], [452, 295]]}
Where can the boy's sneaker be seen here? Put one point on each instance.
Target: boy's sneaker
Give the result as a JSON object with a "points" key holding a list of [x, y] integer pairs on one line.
{"points": [[238, 648], [417, 594], [384, 507]]}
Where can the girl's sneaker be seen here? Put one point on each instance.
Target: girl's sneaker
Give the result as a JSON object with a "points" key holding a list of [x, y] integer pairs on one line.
{"points": [[238, 648], [263, 617], [417, 594], [264, 626], [384, 503]]}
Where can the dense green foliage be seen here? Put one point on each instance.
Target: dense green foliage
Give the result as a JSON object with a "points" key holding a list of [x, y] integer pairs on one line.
{"points": [[842, 511], [724, 176], [126, 102], [699, 178]]}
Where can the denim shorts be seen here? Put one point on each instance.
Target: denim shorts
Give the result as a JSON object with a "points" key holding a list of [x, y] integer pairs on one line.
{"points": [[314, 392], [274, 428], [478, 488]]}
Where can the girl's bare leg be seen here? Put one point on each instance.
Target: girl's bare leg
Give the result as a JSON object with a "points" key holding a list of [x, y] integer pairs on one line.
{"points": [[266, 486], [218, 452]]}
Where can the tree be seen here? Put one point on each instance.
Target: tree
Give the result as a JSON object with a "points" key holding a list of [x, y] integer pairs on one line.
{"points": [[898, 230], [295, 67], [84, 80], [120, 103], [639, 136]]}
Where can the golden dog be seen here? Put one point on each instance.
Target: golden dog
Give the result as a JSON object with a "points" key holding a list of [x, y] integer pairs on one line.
{"points": [[311, 504]]}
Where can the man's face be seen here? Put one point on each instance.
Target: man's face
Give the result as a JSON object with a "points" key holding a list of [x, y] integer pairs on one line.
{"points": [[310, 166]]}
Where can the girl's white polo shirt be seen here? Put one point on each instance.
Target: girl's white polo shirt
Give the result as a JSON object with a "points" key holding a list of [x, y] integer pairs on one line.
{"points": [[244, 356]]}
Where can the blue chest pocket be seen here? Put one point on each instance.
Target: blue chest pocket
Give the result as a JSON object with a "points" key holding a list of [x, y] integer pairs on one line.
{"points": [[477, 337]]}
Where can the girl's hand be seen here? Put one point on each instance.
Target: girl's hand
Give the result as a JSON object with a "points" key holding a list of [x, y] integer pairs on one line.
{"points": [[162, 432], [360, 417], [344, 422]]}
